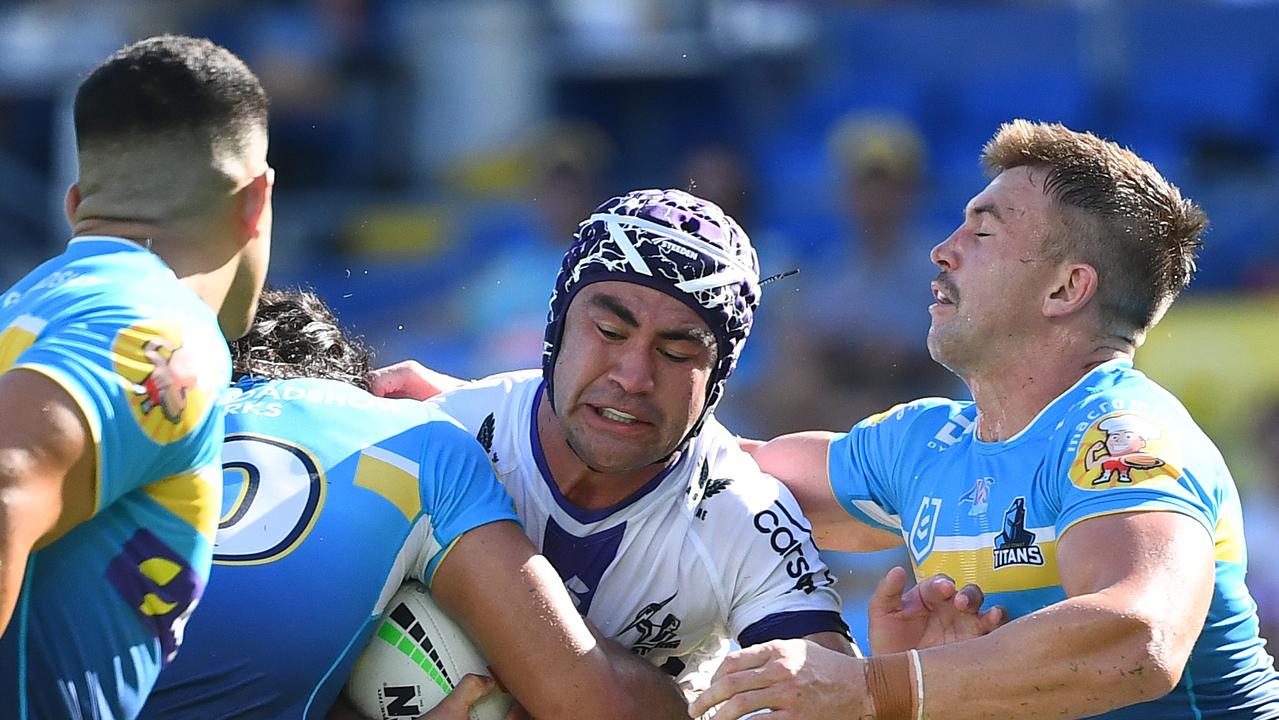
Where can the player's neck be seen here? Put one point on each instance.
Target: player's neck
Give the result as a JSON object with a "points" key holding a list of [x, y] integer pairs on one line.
{"points": [[1012, 393], [142, 233], [582, 486], [197, 262]]}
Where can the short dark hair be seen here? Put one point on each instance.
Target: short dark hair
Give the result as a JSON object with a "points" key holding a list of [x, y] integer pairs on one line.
{"points": [[1118, 215], [170, 84], [296, 335]]}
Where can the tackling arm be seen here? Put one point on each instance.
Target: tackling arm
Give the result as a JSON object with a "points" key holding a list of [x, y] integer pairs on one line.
{"points": [[512, 603], [410, 379], [800, 462], [1122, 637], [1139, 585], [46, 473]]}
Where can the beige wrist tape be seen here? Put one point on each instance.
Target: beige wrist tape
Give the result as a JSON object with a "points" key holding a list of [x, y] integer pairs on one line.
{"points": [[892, 695]]}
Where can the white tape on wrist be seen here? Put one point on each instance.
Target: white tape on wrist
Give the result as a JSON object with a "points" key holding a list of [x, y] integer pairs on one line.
{"points": [[919, 684]]}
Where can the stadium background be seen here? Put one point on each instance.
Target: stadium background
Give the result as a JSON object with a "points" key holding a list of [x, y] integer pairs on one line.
{"points": [[434, 156]]}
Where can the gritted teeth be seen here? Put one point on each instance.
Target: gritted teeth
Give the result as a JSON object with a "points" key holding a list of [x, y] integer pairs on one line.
{"points": [[618, 415], [940, 295]]}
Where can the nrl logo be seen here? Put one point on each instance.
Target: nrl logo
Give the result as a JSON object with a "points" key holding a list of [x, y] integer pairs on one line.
{"points": [[924, 530]]}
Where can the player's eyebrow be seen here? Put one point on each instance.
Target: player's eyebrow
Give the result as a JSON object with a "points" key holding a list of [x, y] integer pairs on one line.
{"points": [[691, 334], [696, 335], [987, 208], [615, 306]]}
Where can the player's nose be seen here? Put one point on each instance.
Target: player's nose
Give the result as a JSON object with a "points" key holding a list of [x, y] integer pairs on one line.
{"points": [[943, 253], [633, 368]]}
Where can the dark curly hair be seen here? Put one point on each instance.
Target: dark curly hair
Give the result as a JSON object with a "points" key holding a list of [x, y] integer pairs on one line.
{"points": [[296, 335]]}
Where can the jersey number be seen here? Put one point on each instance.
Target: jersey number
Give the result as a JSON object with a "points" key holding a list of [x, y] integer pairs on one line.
{"points": [[266, 521]]}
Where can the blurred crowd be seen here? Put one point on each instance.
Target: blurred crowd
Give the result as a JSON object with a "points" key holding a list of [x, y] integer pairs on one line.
{"points": [[434, 157]]}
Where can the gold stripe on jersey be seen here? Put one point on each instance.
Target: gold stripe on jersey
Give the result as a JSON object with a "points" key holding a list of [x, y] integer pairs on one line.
{"points": [[194, 496], [978, 566], [20, 335], [392, 476], [1228, 534]]}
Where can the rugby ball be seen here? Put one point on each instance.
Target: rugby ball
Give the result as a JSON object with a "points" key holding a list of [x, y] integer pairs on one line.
{"points": [[416, 657]]}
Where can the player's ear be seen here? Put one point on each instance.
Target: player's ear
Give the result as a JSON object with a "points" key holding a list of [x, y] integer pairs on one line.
{"points": [[255, 203], [1073, 286], [71, 203]]}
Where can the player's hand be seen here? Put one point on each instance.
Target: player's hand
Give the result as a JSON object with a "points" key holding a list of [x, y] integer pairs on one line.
{"points": [[795, 679], [457, 706], [748, 445], [517, 712], [934, 612], [410, 379]]}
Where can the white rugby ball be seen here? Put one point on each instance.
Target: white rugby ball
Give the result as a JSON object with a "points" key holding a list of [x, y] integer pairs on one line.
{"points": [[416, 657]]}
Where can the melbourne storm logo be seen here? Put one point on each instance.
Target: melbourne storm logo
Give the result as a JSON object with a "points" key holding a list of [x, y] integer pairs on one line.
{"points": [[1016, 545], [654, 635], [706, 488], [485, 436]]}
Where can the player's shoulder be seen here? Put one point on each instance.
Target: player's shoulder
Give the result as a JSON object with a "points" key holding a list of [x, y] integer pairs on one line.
{"points": [[114, 269], [498, 390], [1118, 389], [332, 417], [111, 281], [924, 412], [504, 398], [745, 518], [727, 484], [505, 383], [911, 427], [325, 403], [1120, 403], [1122, 433]]}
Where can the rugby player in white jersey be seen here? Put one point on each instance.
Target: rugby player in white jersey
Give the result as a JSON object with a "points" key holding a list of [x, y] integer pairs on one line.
{"points": [[667, 535]]}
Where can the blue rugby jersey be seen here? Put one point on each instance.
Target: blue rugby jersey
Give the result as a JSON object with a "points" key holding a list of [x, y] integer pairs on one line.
{"points": [[102, 608], [991, 512], [331, 499]]}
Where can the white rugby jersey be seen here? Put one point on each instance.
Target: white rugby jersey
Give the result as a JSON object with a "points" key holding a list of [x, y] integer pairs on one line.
{"points": [[710, 549]]}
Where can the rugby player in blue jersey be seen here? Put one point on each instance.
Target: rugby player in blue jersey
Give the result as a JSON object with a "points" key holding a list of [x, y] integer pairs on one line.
{"points": [[1078, 493], [112, 362], [332, 499]]}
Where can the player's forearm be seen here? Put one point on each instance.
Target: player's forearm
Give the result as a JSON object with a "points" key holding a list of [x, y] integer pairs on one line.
{"points": [[650, 692], [799, 462], [795, 458], [1078, 658], [835, 641]]}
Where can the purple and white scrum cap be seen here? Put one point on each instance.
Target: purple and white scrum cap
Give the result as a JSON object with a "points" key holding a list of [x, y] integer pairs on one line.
{"points": [[674, 242]]}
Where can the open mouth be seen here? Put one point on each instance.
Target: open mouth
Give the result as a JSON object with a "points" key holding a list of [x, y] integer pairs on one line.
{"points": [[942, 295], [617, 415]]}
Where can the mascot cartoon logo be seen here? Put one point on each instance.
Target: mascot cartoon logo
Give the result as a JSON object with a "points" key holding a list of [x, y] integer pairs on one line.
{"points": [[170, 379], [1121, 450], [163, 376]]}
